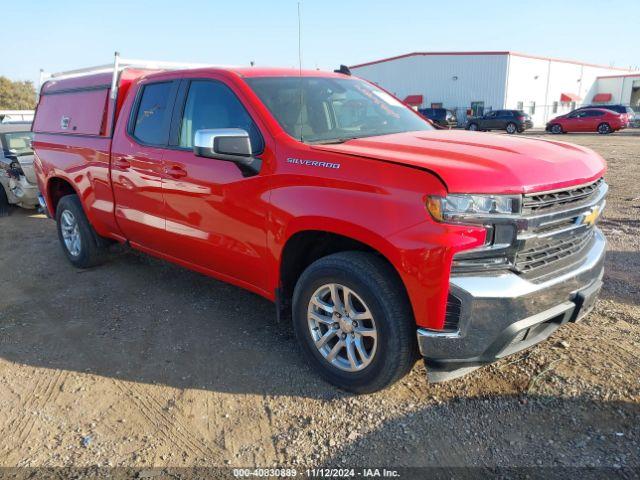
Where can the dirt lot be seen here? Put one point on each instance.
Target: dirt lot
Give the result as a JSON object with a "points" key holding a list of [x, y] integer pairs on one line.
{"points": [[141, 363]]}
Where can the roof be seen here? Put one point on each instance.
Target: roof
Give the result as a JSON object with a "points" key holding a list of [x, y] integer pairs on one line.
{"points": [[101, 78], [282, 72], [636, 74], [488, 53]]}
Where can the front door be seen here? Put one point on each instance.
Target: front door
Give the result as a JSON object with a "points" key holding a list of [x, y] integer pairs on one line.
{"points": [[215, 216], [136, 166]]}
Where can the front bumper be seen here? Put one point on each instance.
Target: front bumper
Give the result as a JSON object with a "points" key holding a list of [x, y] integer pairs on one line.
{"points": [[503, 314]]}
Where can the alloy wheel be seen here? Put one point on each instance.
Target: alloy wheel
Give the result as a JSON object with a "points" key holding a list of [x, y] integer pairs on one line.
{"points": [[70, 233], [342, 327]]}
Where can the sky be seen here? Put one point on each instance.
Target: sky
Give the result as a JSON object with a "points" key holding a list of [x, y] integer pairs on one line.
{"points": [[58, 35]]}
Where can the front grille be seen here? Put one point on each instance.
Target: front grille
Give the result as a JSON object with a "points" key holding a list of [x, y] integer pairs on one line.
{"points": [[551, 250], [552, 235], [454, 311], [543, 202]]}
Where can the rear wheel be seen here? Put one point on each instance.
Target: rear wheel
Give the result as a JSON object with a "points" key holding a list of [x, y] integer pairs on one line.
{"points": [[473, 127], [511, 128], [4, 202], [79, 241], [556, 128], [604, 128], [354, 322]]}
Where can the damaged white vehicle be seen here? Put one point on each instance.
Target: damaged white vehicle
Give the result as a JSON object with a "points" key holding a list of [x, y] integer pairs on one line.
{"points": [[17, 178]]}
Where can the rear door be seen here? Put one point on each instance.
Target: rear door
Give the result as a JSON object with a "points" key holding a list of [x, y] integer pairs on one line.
{"points": [[592, 119], [504, 117], [215, 214], [490, 120], [138, 148]]}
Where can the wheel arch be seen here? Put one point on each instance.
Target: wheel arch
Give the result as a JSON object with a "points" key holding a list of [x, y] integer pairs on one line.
{"points": [[308, 244], [58, 187]]}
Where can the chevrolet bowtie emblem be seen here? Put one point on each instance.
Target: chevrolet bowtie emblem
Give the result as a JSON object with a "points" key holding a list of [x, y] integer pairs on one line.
{"points": [[591, 217]]}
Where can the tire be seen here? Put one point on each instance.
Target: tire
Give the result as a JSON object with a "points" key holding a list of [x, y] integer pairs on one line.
{"points": [[473, 127], [556, 129], [604, 129], [511, 128], [80, 243], [4, 203], [378, 303]]}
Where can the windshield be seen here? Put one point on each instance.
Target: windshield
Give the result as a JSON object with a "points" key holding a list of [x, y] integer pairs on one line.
{"points": [[17, 143], [333, 110]]}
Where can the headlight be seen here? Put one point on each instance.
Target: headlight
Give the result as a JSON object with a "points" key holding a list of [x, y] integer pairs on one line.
{"points": [[466, 207]]}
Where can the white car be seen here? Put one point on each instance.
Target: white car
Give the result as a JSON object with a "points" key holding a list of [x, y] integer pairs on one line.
{"points": [[17, 178]]}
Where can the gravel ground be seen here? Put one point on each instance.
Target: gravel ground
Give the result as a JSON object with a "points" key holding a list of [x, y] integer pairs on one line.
{"points": [[139, 363]]}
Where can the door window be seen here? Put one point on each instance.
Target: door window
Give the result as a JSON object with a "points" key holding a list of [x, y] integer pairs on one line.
{"points": [[212, 104], [153, 115]]}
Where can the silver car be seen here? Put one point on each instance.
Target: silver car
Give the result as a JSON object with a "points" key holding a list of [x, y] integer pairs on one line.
{"points": [[17, 177]]}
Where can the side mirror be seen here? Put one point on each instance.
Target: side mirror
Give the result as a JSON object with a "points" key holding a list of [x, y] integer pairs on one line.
{"points": [[230, 144]]}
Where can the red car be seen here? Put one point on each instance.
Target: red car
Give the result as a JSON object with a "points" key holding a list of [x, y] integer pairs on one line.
{"points": [[380, 238], [598, 120]]}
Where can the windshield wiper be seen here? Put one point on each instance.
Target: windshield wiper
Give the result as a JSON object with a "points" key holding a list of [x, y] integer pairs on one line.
{"points": [[332, 141]]}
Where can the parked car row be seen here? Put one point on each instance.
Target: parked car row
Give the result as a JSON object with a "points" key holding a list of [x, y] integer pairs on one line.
{"points": [[589, 118]]}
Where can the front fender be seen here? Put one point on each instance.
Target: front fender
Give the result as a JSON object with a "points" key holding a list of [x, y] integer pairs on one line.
{"points": [[392, 222]]}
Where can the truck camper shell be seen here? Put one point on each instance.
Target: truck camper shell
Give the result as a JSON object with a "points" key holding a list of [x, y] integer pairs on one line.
{"points": [[87, 101]]}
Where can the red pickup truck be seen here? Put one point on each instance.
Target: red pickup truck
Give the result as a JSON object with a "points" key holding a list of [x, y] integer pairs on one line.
{"points": [[379, 237]]}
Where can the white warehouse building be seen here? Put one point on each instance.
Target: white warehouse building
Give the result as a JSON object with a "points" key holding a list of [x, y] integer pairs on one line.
{"points": [[477, 82]]}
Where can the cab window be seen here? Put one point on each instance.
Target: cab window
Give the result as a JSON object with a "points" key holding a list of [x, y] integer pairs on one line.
{"points": [[153, 115], [210, 105]]}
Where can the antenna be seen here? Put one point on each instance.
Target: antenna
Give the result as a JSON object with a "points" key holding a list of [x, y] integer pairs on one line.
{"points": [[300, 37], [300, 65]]}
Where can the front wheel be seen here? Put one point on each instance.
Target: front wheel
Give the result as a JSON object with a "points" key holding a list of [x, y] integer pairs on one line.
{"points": [[354, 322], [604, 128], [511, 128], [79, 241]]}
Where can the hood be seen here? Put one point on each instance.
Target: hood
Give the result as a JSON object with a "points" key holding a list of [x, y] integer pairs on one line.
{"points": [[476, 162]]}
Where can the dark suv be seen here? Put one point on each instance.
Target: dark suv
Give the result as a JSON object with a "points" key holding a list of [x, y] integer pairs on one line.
{"points": [[512, 121], [440, 116]]}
